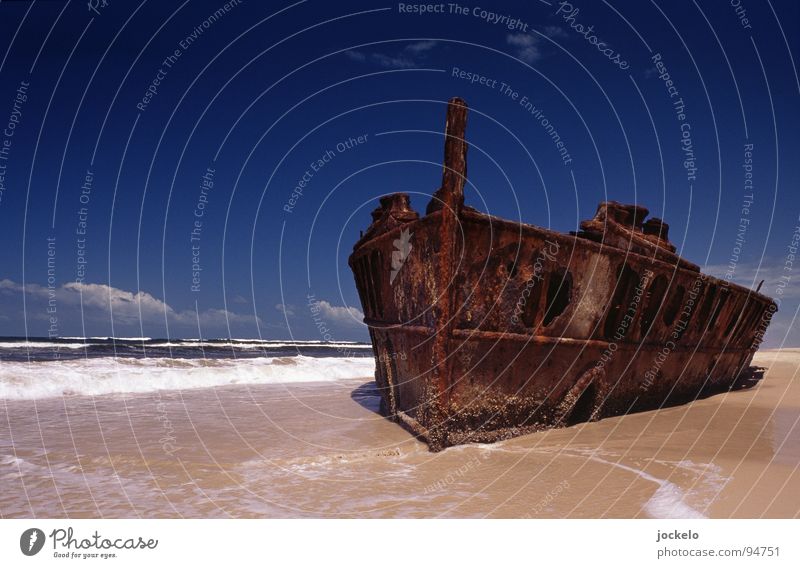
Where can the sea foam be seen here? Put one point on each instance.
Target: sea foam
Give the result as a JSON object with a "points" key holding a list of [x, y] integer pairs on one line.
{"points": [[109, 375]]}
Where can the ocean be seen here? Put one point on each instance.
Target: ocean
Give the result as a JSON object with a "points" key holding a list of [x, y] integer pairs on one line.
{"points": [[41, 367]]}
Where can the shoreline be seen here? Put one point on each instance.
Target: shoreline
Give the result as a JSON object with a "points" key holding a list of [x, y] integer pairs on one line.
{"points": [[320, 449]]}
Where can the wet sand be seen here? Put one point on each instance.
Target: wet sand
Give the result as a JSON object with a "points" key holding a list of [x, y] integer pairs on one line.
{"points": [[321, 450]]}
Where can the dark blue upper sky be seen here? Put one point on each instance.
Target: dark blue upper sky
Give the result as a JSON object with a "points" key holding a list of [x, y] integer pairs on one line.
{"points": [[258, 91]]}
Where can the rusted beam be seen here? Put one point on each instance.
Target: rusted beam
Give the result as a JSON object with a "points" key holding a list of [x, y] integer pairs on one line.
{"points": [[454, 170]]}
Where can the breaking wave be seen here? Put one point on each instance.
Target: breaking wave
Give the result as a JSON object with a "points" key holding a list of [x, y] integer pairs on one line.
{"points": [[109, 375]]}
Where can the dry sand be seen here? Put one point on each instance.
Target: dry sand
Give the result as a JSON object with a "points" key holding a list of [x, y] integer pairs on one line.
{"points": [[318, 450]]}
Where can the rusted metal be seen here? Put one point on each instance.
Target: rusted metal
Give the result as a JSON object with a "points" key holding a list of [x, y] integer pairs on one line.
{"points": [[485, 329]]}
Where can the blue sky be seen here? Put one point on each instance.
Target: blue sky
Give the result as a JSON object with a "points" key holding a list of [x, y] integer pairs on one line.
{"points": [[152, 99]]}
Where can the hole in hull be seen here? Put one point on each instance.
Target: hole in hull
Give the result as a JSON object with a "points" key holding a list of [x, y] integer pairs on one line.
{"points": [[653, 301], [674, 305], [626, 281], [558, 292], [584, 406]]}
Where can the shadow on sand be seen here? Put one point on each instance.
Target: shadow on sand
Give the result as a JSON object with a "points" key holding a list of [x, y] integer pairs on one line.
{"points": [[367, 395]]}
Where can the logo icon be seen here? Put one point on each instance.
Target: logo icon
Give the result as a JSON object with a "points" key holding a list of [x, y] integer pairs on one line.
{"points": [[31, 541], [400, 254]]}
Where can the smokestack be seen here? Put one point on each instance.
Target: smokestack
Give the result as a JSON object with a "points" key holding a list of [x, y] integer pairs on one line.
{"points": [[454, 173]]}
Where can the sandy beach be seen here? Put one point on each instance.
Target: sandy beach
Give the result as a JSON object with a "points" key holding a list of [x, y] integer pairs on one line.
{"points": [[322, 450]]}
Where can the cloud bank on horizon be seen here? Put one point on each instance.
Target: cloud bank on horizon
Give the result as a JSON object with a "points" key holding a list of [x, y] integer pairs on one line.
{"points": [[78, 309]]}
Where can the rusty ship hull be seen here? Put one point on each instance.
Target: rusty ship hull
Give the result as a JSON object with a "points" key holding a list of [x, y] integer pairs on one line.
{"points": [[484, 328]]}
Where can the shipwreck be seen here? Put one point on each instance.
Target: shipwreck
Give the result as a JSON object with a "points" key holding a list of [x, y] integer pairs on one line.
{"points": [[484, 328]]}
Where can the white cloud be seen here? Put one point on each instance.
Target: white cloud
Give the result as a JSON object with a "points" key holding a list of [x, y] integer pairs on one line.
{"points": [[337, 315], [771, 271], [125, 306], [102, 303], [410, 56], [355, 55], [421, 46], [555, 31], [527, 46], [393, 62], [287, 309]]}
